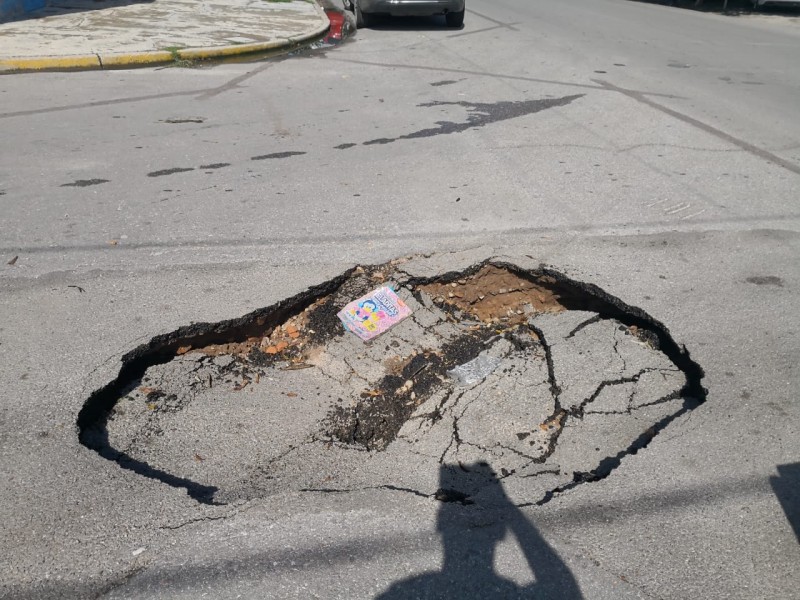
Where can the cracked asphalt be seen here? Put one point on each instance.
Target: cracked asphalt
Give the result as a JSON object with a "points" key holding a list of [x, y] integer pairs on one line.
{"points": [[569, 390], [659, 206]]}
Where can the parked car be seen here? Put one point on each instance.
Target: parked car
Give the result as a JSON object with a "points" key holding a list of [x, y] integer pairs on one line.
{"points": [[453, 10], [787, 3]]}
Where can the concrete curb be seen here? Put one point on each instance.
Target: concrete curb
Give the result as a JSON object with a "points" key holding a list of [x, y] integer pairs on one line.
{"points": [[123, 60]]}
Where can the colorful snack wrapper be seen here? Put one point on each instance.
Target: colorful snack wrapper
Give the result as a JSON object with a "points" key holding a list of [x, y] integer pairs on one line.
{"points": [[371, 315]]}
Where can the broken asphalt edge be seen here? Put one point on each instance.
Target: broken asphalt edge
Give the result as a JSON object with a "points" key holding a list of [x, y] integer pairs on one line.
{"points": [[161, 349], [92, 417], [127, 60]]}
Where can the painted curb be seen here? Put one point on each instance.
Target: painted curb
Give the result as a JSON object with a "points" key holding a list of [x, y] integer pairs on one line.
{"points": [[122, 60]]}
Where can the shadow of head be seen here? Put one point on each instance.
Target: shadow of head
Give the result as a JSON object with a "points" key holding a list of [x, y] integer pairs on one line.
{"points": [[471, 496]]}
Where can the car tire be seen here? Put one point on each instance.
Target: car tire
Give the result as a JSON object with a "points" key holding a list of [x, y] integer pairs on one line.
{"points": [[362, 19], [455, 19]]}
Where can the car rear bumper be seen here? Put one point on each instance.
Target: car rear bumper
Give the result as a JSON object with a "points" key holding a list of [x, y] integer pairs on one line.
{"points": [[411, 8]]}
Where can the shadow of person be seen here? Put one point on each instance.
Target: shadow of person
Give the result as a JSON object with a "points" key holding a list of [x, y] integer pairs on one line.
{"points": [[787, 488], [474, 517]]}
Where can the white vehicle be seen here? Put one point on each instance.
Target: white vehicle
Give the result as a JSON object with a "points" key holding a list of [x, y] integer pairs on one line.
{"points": [[453, 10]]}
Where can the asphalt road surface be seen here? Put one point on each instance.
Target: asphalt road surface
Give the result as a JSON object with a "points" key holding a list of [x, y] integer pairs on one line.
{"points": [[650, 151]]}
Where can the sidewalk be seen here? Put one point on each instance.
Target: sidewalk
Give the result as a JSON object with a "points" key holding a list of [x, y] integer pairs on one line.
{"points": [[96, 34]]}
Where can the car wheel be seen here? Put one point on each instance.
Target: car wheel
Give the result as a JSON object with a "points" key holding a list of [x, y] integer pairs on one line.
{"points": [[362, 20], [455, 19]]}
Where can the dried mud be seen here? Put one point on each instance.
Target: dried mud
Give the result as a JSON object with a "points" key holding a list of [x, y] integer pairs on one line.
{"points": [[496, 295]]}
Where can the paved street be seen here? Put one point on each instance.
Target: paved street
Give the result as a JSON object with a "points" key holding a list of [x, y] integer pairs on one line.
{"points": [[640, 160], [85, 34]]}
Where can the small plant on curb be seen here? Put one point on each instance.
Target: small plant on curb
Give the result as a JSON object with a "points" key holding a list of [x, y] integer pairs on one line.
{"points": [[173, 50], [177, 61]]}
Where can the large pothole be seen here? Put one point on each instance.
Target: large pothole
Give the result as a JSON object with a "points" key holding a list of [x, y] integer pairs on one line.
{"points": [[561, 382]]}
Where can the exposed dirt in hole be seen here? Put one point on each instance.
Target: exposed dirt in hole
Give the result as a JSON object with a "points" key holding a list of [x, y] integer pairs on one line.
{"points": [[284, 396], [496, 295], [645, 335], [288, 341]]}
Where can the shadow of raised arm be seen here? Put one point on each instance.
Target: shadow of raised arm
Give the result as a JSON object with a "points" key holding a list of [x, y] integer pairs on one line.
{"points": [[471, 530]]}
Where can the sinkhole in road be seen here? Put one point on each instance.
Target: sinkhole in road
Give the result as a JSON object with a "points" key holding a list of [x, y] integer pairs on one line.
{"points": [[284, 399]]}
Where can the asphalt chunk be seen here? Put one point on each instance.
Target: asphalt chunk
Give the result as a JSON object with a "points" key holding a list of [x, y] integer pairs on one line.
{"points": [[285, 399]]}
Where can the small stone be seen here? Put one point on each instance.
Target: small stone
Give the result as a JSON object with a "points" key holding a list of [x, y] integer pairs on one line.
{"points": [[451, 295], [223, 360], [454, 284]]}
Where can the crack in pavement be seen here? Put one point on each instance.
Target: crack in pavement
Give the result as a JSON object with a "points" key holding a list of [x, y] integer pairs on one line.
{"points": [[200, 520], [596, 86], [578, 411], [395, 383], [710, 129], [583, 324]]}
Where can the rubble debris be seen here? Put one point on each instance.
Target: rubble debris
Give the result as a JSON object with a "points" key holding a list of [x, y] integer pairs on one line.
{"points": [[495, 364], [475, 370]]}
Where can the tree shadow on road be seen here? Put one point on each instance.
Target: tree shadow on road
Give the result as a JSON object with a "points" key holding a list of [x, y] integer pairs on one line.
{"points": [[474, 517], [787, 488]]}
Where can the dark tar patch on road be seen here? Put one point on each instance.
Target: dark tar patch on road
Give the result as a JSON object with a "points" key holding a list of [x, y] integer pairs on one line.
{"points": [[382, 141], [187, 120], [276, 155], [480, 114], [84, 182], [170, 171], [215, 166], [765, 280]]}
